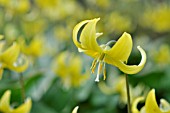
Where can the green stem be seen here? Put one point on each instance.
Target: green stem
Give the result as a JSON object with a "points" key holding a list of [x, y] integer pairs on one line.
{"points": [[128, 94], [21, 79]]}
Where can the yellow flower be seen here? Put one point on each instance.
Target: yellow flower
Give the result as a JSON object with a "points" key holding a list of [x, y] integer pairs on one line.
{"points": [[100, 3], [72, 66], [16, 6], [6, 108], [60, 33], [34, 48], [119, 23], [10, 59], [119, 86], [157, 18], [46, 3], [33, 26], [75, 109], [116, 55], [151, 105], [161, 56]]}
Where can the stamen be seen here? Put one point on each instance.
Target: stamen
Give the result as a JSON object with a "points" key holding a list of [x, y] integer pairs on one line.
{"points": [[101, 57], [100, 66], [104, 73], [93, 63], [93, 66]]}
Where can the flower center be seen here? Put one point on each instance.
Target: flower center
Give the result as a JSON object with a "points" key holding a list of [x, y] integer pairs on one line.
{"points": [[101, 66]]}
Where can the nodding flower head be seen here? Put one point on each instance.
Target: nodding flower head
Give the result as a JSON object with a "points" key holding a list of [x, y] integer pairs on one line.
{"points": [[116, 55]]}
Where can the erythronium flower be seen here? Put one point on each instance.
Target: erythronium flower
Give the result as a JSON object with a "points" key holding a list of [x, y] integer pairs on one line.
{"points": [[34, 48], [119, 87], [151, 105], [10, 58], [75, 109], [116, 55], [6, 108], [72, 75]]}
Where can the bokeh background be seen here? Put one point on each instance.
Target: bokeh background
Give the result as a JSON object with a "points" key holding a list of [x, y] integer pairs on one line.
{"points": [[59, 77]]}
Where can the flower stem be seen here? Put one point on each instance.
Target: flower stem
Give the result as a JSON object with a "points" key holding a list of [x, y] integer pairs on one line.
{"points": [[128, 94], [21, 79]]}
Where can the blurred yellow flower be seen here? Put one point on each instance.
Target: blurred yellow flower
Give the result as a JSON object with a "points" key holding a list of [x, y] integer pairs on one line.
{"points": [[46, 3], [10, 59], [16, 6], [75, 109], [72, 66], [34, 48], [33, 24], [151, 105], [119, 23], [157, 18], [116, 55], [119, 86], [100, 3], [58, 9], [60, 33], [6, 108], [161, 56]]}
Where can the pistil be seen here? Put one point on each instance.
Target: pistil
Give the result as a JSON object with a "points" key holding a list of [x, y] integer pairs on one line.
{"points": [[99, 71]]}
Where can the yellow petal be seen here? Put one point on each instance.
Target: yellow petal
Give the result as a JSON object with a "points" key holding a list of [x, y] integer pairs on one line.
{"points": [[128, 69], [11, 54], [5, 102], [88, 36], [122, 48], [20, 67], [1, 72], [75, 32], [135, 103], [151, 105], [24, 108], [164, 106], [75, 109], [90, 53], [34, 48]]}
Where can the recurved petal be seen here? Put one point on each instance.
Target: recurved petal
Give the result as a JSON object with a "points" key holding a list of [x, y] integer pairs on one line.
{"points": [[24, 108], [75, 109], [129, 69], [151, 105], [5, 102], [88, 36], [122, 48], [75, 32], [11, 54], [135, 103]]}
